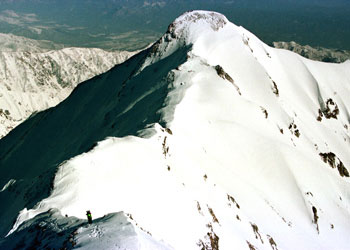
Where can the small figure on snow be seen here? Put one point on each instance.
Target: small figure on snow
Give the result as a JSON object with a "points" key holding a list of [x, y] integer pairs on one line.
{"points": [[88, 214]]}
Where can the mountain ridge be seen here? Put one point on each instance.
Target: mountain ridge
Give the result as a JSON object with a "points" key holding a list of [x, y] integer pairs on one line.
{"points": [[13, 43], [215, 139], [33, 81], [318, 54]]}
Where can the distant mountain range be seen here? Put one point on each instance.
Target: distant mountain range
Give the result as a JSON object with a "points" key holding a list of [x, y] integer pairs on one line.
{"points": [[133, 24], [12, 43], [317, 54], [33, 80]]}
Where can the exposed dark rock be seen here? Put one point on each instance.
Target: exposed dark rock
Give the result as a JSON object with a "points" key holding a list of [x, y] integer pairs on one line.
{"points": [[199, 208], [215, 220], [168, 130], [331, 110], [232, 200], [272, 243], [221, 72], [275, 88], [251, 247], [334, 162], [314, 211], [211, 240], [294, 129], [320, 115], [265, 112], [256, 232]]}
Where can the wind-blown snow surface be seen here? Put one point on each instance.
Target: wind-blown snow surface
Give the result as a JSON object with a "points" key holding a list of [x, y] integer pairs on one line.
{"points": [[209, 139], [33, 81]]}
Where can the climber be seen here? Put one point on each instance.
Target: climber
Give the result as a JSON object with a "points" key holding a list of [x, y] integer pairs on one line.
{"points": [[88, 214]]}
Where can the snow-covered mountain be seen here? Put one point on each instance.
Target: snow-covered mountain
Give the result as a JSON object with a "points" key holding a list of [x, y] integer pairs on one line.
{"points": [[318, 54], [209, 139], [33, 81]]}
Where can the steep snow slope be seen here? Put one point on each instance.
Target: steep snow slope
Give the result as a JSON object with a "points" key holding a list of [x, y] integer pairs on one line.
{"points": [[209, 139], [32, 81]]}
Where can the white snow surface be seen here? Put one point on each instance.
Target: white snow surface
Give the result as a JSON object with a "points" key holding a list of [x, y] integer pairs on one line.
{"points": [[34, 81], [252, 151], [112, 231]]}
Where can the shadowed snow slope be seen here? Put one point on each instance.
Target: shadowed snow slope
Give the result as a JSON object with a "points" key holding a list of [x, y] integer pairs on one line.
{"points": [[209, 139]]}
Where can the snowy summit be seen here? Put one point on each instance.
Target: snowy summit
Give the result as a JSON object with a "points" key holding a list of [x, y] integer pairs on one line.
{"points": [[209, 139], [191, 25]]}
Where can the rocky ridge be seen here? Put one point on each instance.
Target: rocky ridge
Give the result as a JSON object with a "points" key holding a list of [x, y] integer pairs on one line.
{"points": [[317, 54]]}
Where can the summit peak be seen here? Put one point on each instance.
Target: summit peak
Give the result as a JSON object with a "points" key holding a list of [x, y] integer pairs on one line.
{"points": [[195, 22]]}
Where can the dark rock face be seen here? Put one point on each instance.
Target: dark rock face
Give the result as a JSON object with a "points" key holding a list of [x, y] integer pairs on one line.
{"points": [[335, 162]]}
